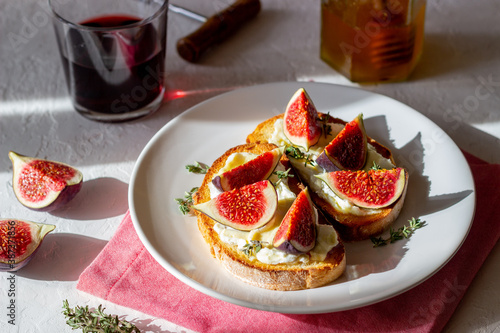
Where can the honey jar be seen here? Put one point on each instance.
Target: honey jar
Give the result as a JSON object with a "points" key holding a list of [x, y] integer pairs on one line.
{"points": [[372, 40]]}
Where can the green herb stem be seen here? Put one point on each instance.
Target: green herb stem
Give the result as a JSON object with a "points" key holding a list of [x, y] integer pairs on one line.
{"points": [[296, 153], [197, 167], [402, 233], [186, 202], [96, 320]]}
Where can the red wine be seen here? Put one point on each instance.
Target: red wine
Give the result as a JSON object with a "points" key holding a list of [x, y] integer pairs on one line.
{"points": [[115, 71]]}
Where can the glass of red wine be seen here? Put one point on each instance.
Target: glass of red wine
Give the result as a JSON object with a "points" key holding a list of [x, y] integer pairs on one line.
{"points": [[113, 55]]}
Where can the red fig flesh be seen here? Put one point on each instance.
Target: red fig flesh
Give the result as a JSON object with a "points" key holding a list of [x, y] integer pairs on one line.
{"points": [[19, 241], [348, 149], [245, 208], [257, 169], [300, 120], [43, 185], [297, 231], [367, 189]]}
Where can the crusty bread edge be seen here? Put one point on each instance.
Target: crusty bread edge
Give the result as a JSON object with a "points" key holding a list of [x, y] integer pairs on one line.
{"points": [[274, 277], [350, 227], [353, 227]]}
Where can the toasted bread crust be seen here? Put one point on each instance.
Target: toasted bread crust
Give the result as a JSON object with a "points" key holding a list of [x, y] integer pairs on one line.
{"points": [[275, 277], [350, 227], [355, 227]]}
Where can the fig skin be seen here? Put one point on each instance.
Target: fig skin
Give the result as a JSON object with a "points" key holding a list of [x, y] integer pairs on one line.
{"points": [[15, 231], [217, 181], [287, 247], [297, 232], [323, 161], [54, 198], [300, 120], [250, 172], [348, 150]]}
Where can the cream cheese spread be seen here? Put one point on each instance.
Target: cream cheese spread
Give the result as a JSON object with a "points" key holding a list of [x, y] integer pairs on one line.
{"points": [[326, 237], [311, 171]]}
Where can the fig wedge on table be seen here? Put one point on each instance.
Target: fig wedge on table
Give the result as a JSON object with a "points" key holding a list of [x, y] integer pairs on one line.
{"points": [[367, 189], [300, 120], [347, 151], [257, 169], [244, 208], [19, 241], [42, 184], [297, 231]]}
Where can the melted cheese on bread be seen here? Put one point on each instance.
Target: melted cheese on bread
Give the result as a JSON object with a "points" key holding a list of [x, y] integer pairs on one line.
{"points": [[310, 171], [326, 236]]}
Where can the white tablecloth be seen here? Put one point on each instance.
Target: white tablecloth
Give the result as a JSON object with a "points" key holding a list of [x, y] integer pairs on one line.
{"points": [[456, 84]]}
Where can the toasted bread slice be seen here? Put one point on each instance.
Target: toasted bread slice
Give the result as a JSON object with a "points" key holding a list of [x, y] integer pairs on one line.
{"points": [[351, 227], [281, 276]]}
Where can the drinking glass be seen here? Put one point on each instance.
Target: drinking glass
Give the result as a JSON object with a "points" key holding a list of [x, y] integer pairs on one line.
{"points": [[113, 55]]}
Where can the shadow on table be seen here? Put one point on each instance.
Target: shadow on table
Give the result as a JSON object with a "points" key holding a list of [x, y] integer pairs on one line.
{"points": [[418, 203], [62, 257], [445, 53], [99, 198], [259, 30], [147, 326]]}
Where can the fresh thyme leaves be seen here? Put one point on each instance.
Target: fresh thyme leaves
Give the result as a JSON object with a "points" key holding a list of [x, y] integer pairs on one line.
{"points": [[252, 248], [309, 160], [378, 241], [294, 152], [403, 232], [186, 202], [375, 166], [96, 320], [197, 167], [298, 154], [327, 130], [282, 175]]}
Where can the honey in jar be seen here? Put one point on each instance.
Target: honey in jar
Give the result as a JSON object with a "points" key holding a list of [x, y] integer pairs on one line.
{"points": [[372, 40]]}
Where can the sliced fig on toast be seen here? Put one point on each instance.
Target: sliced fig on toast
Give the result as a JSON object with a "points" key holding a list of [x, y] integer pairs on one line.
{"points": [[348, 149], [297, 231], [300, 120], [257, 169], [245, 208], [367, 189]]}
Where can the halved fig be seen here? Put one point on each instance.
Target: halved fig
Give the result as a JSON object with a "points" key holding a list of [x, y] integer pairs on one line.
{"points": [[367, 189], [348, 149], [257, 169], [300, 120], [297, 231], [19, 241], [43, 185], [245, 208]]}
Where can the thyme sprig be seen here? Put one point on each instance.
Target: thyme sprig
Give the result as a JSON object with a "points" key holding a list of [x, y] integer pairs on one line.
{"points": [[96, 320], [375, 166], [186, 202], [296, 153], [327, 130], [282, 175], [197, 167], [401, 233], [252, 248]]}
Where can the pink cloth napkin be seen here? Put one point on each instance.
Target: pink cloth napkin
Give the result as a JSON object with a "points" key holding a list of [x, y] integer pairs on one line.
{"points": [[129, 276]]}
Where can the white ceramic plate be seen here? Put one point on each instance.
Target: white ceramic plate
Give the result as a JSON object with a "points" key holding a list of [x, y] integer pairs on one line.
{"points": [[441, 192]]}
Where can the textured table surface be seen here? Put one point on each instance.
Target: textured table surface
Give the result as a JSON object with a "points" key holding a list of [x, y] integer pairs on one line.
{"points": [[456, 84]]}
